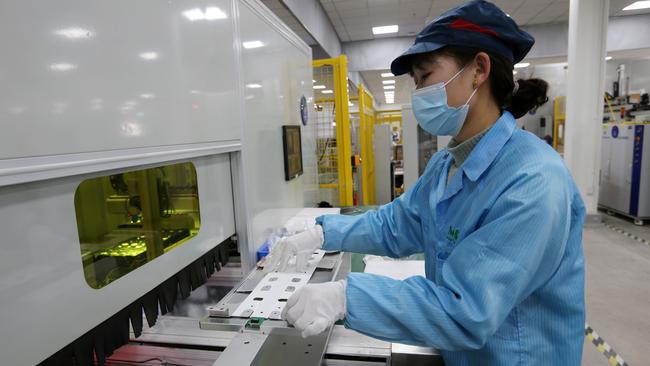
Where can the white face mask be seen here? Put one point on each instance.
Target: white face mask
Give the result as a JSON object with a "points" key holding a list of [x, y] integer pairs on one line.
{"points": [[434, 114]]}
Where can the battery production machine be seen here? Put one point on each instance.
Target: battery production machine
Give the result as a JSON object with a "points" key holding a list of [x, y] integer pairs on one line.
{"points": [[625, 170], [142, 165], [125, 181]]}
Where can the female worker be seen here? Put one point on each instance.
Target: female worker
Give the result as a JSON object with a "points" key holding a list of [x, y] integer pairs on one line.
{"points": [[496, 214]]}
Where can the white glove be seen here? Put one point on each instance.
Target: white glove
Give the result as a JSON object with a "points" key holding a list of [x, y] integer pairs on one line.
{"points": [[301, 245], [315, 307]]}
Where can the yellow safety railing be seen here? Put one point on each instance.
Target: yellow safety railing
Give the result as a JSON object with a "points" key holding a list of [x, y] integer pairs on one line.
{"points": [[559, 118], [333, 127], [366, 134]]}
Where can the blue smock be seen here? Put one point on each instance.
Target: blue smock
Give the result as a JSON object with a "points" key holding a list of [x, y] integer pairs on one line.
{"points": [[503, 256]]}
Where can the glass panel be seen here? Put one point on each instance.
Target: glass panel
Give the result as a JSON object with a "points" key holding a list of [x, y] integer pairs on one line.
{"points": [[126, 220]]}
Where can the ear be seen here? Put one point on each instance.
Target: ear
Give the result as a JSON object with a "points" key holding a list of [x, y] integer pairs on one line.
{"points": [[482, 72]]}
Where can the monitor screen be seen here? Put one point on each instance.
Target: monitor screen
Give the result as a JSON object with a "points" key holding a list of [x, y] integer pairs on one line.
{"points": [[292, 151]]}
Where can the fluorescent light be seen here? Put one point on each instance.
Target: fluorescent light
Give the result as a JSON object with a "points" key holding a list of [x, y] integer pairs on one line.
{"points": [[62, 66], [253, 44], [608, 58], [521, 65], [387, 75], [388, 87], [638, 5], [147, 96], [194, 14], [74, 33], [385, 29], [319, 86], [148, 56], [327, 92], [385, 82], [213, 13], [253, 86]]}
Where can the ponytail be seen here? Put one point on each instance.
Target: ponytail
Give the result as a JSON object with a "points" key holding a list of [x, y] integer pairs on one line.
{"points": [[527, 96]]}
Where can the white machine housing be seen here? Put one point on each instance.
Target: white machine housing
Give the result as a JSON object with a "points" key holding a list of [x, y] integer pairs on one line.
{"points": [[94, 88], [625, 169]]}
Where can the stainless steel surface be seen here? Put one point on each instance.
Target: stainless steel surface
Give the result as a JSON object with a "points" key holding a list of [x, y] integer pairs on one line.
{"points": [[175, 330], [274, 345], [347, 342], [139, 354], [285, 346], [403, 355], [415, 350], [243, 350]]}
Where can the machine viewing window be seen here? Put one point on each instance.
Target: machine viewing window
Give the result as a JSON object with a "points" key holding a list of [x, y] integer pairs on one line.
{"points": [[126, 220], [292, 151]]}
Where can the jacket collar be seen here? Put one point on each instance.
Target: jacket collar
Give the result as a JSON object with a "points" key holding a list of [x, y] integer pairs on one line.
{"points": [[479, 159], [489, 147]]}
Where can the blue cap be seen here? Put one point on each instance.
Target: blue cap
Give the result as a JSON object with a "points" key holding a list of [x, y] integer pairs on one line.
{"points": [[476, 24]]}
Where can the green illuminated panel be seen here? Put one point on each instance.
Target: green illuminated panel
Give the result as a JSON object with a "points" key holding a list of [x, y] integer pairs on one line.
{"points": [[127, 220]]}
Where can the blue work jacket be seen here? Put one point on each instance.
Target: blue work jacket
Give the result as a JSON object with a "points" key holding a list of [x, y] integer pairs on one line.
{"points": [[502, 243]]}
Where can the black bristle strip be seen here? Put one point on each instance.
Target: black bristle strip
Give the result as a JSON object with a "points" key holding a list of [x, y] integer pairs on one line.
{"points": [[100, 342]]}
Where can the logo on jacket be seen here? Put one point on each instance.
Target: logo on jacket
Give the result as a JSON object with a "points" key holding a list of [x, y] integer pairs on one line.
{"points": [[453, 235]]}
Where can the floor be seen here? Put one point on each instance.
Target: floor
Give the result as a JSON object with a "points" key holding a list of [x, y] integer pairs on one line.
{"points": [[618, 290]]}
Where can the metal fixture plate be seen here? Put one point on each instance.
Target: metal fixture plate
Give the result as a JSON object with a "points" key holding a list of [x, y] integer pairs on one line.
{"points": [[270, 295], [275, 345]]}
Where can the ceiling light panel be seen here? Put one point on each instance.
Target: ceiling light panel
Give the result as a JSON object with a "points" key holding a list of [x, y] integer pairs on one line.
{"points": [[638, 5], [385, 29]]}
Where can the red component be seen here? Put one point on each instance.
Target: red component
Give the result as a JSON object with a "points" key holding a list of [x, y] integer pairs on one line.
{"points": [[464, 24]]}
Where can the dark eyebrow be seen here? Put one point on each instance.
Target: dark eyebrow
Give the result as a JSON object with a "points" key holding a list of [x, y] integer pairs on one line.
{"points": [[422, 61]]}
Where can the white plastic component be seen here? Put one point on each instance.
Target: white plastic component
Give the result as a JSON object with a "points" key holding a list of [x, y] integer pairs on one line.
{"points": [[271, 294], [83, 84]]}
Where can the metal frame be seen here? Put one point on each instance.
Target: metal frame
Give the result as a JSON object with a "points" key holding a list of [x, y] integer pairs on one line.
{"points": [[343, 135], [367, 129], [261, 342], [559, 118], [268, 298]]}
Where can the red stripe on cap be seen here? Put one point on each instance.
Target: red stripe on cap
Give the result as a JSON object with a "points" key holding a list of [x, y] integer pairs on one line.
{"points": [[465, 25]]}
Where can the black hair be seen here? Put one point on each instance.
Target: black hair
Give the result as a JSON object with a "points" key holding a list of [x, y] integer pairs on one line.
{"points": [[530, 94]]}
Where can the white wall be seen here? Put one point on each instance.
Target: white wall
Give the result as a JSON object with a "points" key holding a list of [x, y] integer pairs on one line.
{"points": [[313, 17]]}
